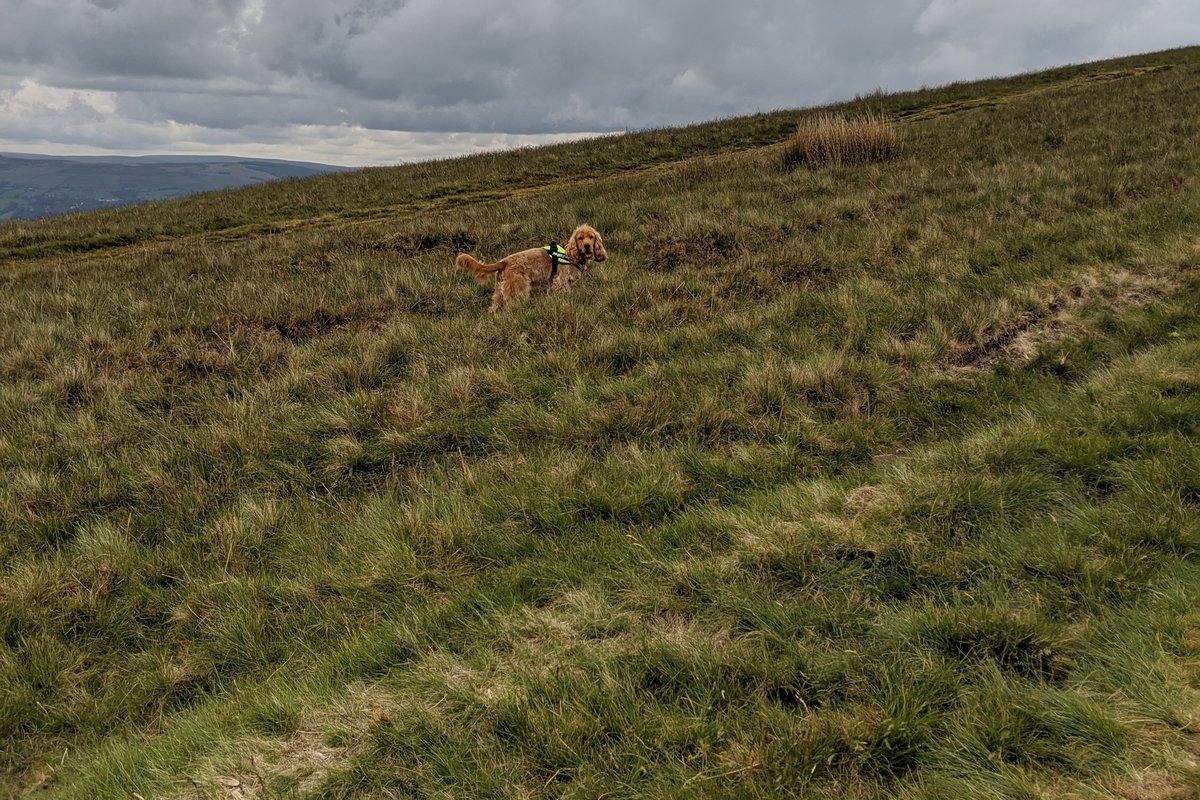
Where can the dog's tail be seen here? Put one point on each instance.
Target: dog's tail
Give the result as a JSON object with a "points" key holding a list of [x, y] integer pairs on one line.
{"points": [[481, 272]]}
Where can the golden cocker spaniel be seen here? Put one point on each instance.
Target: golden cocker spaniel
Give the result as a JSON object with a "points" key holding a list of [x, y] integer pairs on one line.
{"points": [[555, 266]]}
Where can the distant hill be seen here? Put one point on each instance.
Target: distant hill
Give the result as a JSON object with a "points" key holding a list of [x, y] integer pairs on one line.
{"points": [[34, 186]]}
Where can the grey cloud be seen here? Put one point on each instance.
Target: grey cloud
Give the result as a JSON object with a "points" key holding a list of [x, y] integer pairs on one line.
{"points": [[69, 38]]}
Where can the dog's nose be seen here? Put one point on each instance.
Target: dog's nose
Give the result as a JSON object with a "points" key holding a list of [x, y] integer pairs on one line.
{"points": [[587, 248]]}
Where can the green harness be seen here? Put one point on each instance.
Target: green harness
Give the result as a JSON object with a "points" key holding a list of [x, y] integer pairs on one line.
{"points": [[557, 256]]}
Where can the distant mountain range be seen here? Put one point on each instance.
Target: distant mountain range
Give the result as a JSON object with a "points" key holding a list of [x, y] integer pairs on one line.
{"points": [[33, 186]]}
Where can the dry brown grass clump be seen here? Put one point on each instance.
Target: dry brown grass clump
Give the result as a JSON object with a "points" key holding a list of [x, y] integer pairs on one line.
{"points": [[839, 140]]}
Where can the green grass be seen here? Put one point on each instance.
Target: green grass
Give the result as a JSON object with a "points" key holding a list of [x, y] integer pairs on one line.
{"points": [[860, 481]]}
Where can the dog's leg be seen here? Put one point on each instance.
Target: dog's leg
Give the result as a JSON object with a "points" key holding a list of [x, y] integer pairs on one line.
{"points": [[512, 285], [519, 289], [562, 282]]}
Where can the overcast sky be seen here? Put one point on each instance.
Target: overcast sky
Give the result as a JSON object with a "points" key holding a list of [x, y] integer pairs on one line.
{"points": [[383, 81]]}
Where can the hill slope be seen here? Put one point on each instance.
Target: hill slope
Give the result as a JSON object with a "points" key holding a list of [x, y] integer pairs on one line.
{"points": [[34, 186], [871, 481]]}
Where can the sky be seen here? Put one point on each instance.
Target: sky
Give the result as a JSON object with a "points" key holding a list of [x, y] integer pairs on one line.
{"points": [[364, 82]]}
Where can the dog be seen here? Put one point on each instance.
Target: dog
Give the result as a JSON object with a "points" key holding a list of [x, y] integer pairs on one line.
{"points": [[555, 266]]}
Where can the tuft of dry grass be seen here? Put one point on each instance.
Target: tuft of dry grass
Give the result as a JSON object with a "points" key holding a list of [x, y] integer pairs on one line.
{"points": [[835, 139]]}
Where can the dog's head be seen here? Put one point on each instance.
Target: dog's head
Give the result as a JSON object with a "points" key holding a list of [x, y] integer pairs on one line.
{"points": [[586, 244]]}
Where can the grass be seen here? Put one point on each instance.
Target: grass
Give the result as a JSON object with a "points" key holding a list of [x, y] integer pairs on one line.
{"points": [[839, 140], [873, 480]]}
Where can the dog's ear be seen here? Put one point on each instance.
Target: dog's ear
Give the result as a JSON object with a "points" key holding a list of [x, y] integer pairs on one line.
{"points": [[598, 251], [572, 250]]}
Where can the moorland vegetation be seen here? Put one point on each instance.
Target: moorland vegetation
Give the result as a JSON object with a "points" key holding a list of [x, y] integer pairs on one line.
{"points": [[856, 480]]}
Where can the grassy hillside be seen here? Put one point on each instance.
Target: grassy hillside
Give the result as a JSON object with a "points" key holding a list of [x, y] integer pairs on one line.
{"points": [[861, 481]]}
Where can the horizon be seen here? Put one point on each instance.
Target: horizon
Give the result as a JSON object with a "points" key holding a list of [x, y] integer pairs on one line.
{"points": [[361, 84], [433, 145], [165, 157], [255, 152]]}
